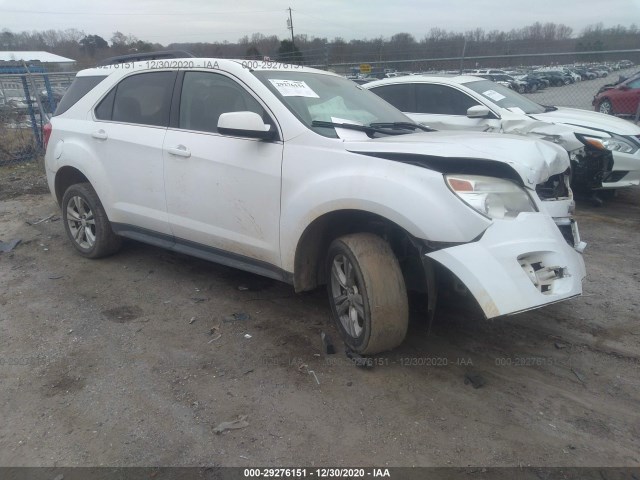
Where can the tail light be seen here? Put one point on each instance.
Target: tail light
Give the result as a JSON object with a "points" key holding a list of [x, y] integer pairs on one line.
{"points": [[46, 134]]}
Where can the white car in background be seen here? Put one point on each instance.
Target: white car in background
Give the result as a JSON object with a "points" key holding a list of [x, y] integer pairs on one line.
{"points": [[473, 103]]}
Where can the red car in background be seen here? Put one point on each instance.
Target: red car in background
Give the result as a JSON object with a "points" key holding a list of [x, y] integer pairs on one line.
{"points": [[620, 99]]}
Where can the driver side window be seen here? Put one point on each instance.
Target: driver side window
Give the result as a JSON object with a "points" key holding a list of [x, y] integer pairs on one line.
{"points": [[205, 96]]}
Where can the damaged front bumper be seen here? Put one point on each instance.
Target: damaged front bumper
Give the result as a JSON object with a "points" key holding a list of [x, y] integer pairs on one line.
{"points": [[517, 265]]}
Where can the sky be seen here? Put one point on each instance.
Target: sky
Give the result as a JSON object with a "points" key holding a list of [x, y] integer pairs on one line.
{"points": [[169, 21]]}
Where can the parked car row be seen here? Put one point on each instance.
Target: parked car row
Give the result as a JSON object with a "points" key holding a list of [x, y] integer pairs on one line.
{"points": [[522, 80]]}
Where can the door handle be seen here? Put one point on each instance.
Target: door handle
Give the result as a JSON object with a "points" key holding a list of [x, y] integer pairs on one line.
{"points": [[100, 135], [179, 151]]}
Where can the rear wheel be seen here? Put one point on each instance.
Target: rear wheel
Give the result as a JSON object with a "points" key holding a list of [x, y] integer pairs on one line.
{"points": [[605, 107], [86, 222], [367, 293]]}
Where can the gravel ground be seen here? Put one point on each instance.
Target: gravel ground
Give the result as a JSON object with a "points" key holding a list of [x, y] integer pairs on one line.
{"points": [[133, 360]]}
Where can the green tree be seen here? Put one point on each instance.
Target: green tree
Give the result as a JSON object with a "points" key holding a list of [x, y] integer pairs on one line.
{"points": [[289, 53], [92, 43]]}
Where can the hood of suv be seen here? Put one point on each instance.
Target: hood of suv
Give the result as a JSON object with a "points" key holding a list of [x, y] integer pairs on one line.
{"points": [[534, 160], [588, 119]]}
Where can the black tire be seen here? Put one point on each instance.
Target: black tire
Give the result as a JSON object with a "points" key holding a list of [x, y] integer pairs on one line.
{"points": [[605, 107], [374, 289], [522, 89], [86, 222]]}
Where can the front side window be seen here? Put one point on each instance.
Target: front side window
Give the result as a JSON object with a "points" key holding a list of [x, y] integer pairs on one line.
{"points": [[205, 96], [143, 99], [442, 100]]}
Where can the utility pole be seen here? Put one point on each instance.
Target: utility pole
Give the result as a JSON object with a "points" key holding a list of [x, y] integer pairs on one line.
{"points": [[290, 27], [464, 49]]}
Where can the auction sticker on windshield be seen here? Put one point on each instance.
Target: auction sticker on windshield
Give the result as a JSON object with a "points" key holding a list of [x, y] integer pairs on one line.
{"points": [[293, 88], [493, 95]]}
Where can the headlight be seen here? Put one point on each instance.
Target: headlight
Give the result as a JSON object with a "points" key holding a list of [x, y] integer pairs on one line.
{"points": [[616, 143], [490, 196]]}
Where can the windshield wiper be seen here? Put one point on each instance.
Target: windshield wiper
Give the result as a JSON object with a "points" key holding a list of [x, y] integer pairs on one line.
{"points": [[402, 125], [369, 130]]}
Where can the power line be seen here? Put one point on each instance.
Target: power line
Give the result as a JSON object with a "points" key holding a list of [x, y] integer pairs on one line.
{"points": [[198, 13]]}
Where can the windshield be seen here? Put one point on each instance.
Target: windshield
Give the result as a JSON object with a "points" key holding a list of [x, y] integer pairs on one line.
{"points": [[504, 97], [314, 97]]}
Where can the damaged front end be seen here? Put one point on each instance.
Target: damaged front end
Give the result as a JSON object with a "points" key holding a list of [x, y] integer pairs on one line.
{"points": [[590, 165], [519, 264], [523, 260], [557, 198], [591, 162]]}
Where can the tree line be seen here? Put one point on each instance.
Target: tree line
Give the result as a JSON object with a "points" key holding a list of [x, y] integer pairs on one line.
{"points": [[538, 37]]}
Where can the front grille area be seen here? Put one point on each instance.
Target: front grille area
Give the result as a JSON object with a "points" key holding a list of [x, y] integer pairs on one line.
{"points": [[555, 187]]}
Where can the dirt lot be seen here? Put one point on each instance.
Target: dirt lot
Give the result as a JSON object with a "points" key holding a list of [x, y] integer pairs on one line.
{"points": [[113, 362]]}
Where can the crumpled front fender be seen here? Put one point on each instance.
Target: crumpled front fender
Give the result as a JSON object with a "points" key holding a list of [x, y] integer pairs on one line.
{"points": [[517, 265]]}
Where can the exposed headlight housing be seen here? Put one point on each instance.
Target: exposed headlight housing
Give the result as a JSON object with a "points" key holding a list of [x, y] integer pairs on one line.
{"points": [[492, 197], [615, 143]]}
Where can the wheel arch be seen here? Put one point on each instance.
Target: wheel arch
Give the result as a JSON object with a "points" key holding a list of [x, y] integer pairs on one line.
{"points": [[313, 244], [65, 177]]}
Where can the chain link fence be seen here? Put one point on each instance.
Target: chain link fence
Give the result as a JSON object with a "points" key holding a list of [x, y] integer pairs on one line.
{"points": [[27, 100], [605, 81]]}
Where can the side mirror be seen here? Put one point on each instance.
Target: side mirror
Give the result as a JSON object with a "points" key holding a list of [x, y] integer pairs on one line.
{"points": [[245, 124], [478, 111], [624, 87]]}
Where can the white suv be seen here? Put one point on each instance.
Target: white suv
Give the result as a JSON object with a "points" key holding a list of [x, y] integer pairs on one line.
{"points": [[303, 176]]}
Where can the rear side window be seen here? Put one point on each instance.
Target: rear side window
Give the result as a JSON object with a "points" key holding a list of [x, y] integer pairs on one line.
{"points": [[144, 99], [400, 96], [78, 89]]}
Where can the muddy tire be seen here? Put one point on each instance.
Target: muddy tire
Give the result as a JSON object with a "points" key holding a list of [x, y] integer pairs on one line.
{"points": [[367, 293], [86, 222]]}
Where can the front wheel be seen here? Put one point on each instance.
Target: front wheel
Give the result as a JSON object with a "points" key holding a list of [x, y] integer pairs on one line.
{"points": [[606, 107], [86, 222], [367, 293]]}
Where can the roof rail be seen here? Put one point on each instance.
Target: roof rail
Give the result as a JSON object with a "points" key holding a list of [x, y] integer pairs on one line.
{"points": [[137, 57]]}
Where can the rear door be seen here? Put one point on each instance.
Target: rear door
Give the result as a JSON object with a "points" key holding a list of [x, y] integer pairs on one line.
{"points": [[132, 120], [223, 191]]}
